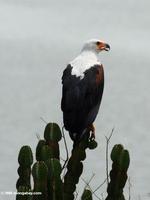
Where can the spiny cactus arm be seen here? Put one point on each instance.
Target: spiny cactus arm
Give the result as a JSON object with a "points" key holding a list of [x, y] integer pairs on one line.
{"points": [[54, 179], [25, 159], [87, 195], [75, 166], [52, 135], [118, 175], [23, 193], [39, 147], [43, 151], [48, 151], [40, 174]]}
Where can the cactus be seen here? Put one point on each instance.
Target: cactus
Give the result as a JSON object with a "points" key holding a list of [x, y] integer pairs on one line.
{"points": [[45, 153], [54, 179], [87, 195], [46, 172], [25, 160], [23, 196], [48, 151], [40, 176], [40, 144], [118, 174], [75, 166], [52, 135]]}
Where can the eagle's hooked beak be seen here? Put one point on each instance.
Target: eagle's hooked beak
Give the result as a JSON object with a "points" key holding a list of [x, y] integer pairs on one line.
{"points": [[103, 46], [107, 47]]}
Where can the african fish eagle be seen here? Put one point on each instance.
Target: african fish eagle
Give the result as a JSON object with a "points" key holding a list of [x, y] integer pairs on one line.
{"points": [[83, 83]]}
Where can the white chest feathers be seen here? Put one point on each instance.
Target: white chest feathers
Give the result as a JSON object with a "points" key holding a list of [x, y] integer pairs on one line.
{"points": [[83, 62]]}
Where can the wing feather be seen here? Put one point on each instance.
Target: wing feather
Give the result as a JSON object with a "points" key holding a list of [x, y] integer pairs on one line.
{"points": [[81, 98]]}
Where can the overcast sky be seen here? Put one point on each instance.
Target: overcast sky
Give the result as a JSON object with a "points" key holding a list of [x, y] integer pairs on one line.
{"points": [[37, 39]]}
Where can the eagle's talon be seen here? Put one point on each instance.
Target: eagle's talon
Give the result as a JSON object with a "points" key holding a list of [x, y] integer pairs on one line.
{"points": [[92, 132], [92, 136]]}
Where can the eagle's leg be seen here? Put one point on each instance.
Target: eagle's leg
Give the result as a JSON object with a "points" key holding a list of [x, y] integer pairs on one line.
{"points": [[92, 131]]}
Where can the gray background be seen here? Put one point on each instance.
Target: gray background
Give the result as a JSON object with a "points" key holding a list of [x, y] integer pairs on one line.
{"points": [[37, 39]]}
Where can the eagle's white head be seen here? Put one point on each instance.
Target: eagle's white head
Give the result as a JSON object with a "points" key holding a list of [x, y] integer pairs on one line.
{"points": [[96, 46], [88, 57]]}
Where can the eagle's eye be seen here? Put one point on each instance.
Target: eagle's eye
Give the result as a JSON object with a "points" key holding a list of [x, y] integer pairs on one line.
{"points": [[98, 43]]}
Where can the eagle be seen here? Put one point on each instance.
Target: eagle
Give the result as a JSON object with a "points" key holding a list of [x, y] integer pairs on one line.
{"points": [[82, 90]]}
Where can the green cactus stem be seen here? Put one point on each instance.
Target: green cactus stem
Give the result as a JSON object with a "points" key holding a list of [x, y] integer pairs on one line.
{"points": [[40, 144], [43, 153], [25, 160], [75, 166], [40, 175], [87, 195], [118, 175], [52, 135], [23, 193], [46, 172], [54, 179]]}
